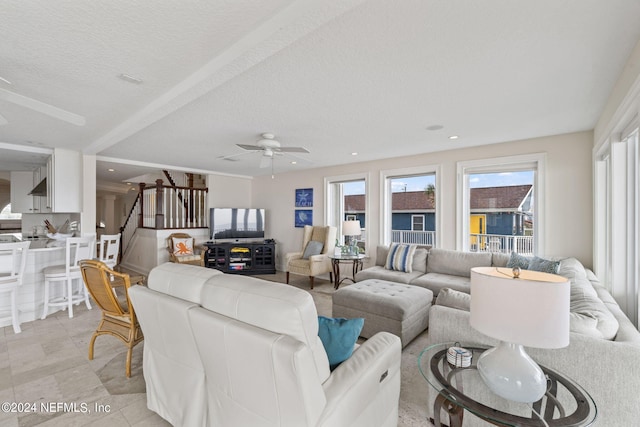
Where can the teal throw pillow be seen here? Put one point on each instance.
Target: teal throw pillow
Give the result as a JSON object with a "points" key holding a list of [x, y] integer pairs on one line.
{"points": [[313, 248], [517, 260], [400, 257], [339, 336], [544, 265]]}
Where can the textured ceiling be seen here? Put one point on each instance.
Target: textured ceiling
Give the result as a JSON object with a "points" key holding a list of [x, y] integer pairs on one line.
{"points": [[333, 77]]}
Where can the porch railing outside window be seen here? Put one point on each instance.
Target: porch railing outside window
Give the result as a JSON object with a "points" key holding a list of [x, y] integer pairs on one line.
{"points": [[501, 243], [414, 237]]}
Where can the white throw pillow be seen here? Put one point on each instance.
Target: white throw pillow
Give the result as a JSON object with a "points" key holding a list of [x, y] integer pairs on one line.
{"points": [[182, 247]]}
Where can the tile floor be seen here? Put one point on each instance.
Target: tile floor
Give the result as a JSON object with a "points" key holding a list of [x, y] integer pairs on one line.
{"points": [[46, 366]]}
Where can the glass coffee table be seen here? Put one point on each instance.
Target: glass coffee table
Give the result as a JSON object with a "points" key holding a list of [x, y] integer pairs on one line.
{"points": [[565, 403]]}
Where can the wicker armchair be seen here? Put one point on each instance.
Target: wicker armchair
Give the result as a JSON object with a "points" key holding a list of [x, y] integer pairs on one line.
{"points": [[118, 318], [181, 247]]}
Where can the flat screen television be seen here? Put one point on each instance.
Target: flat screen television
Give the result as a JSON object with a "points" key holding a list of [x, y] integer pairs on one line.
{"points": [[236, 224]]}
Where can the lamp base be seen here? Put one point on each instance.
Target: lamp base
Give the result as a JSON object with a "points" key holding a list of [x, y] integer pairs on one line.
{"points": [[510, 373]]}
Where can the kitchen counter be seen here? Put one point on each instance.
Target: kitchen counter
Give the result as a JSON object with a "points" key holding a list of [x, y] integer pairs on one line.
{"points": [[42, 253]]}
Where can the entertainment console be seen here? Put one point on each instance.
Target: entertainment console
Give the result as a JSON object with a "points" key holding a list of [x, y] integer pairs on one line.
{"points": [[241, 258]]}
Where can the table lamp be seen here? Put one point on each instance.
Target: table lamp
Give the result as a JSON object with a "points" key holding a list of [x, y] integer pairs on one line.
{"points": [[351, 229], [519, 308]]}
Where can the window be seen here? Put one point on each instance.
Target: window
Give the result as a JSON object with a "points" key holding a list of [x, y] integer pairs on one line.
{"points": [[409, 206], [346, 199], [500, 205], [417, 222]]}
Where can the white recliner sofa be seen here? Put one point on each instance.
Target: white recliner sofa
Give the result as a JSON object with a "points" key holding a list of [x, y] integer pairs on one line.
{"points": [[230, 350]]}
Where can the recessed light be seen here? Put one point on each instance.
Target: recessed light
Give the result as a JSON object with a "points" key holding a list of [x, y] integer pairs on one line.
{"points": [[130, 79], [128, 183], [435, 127], [354, 154], [111, 170], [454, 137], [294, 162]]}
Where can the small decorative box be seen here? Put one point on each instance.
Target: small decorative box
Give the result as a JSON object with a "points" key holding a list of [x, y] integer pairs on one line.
{"points": [[459, 357]]}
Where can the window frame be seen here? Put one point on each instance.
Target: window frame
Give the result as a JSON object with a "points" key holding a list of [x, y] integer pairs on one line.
{"points": [[385, 198], [329, 198], [413, 223], [535, 162]]}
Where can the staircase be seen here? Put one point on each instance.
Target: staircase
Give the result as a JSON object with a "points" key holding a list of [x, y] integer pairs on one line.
{"points": [[180, 205]]}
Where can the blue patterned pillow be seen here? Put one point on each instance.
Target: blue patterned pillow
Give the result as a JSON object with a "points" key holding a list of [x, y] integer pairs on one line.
{"points": [[517, 260], [544, 265], [400, 257]]}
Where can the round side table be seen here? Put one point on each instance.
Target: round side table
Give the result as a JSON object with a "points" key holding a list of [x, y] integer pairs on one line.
{"points": [[357, 263]]}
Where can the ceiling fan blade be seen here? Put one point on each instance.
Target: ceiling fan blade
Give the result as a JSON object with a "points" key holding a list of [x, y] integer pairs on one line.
{"points": [[293, 150], [298, 158], [43, 108], [250, 147], [3, 121], [231, 157]]}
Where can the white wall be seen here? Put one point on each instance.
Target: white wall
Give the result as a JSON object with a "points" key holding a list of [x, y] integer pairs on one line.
{"points": [[229, 191], [568, 193]]}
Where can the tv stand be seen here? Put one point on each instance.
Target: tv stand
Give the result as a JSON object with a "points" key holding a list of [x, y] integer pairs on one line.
{"points": [[241, 257]]}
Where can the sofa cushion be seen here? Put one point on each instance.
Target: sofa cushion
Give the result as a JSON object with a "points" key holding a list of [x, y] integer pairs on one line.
{"points": [[455, 299], [381, 273], [588, 313], [339, 337], [400, 257], [381, 255], [420, 260], [456, 263], [437, 281], [499, 259]]}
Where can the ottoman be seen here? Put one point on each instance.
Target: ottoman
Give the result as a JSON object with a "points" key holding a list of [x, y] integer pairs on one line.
{"points": [[400, 309]]}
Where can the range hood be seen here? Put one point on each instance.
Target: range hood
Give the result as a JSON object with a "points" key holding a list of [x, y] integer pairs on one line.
{"points": [[40, 189]]}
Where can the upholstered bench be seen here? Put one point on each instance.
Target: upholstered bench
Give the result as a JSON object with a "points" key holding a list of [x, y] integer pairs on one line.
{"points": [[392, 307]]}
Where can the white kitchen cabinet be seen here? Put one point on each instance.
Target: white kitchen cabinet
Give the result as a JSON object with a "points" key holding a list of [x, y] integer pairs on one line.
{"points": [[64, 185], [64, 181], [21, 201]]}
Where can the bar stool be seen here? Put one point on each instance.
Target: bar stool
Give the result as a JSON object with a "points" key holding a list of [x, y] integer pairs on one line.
{"points": [[109, 249], [13, 260], [77, 249]]}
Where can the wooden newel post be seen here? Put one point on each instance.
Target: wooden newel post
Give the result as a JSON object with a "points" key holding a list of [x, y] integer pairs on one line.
{"points": [[159, 205], [141, 214]]}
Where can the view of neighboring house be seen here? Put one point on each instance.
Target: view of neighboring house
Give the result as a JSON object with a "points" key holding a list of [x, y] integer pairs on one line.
{"points": [[495, 212]]}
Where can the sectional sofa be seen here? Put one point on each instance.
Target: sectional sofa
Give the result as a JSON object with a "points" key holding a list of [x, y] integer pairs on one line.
{"points": [[604, 351], [603, 354], [434, 269]]}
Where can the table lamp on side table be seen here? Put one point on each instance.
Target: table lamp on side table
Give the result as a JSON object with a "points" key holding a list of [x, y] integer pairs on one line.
{"points": [[351, 229], [520, 308]]}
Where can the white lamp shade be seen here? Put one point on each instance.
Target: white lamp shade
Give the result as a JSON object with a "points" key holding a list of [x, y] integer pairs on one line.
{"points": [[351, 228], [532, 310]]}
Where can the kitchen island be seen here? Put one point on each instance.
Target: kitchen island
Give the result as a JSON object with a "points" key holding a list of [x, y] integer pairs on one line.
{"points": [[43, 252]]}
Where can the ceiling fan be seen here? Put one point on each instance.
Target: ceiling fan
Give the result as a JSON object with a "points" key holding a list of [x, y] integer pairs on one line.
{"points": [[39, 106], [270, 147]]}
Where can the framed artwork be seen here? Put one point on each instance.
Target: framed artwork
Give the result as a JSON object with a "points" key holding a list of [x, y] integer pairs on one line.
{"points": [[303, 217], [304, 197]]}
